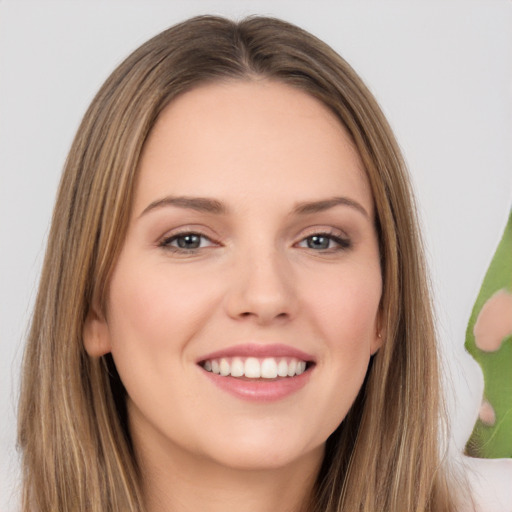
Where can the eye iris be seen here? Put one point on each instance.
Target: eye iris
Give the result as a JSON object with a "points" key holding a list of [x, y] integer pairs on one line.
{"points": [[318, 242], [188, 241]]}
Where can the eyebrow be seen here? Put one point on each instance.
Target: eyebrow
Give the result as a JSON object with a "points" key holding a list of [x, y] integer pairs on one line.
{"points": [[200, 204], [208, 205], [309, 207]]}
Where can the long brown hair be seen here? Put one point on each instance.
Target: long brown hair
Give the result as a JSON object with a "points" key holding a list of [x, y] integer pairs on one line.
{"points": [[72, 421]]}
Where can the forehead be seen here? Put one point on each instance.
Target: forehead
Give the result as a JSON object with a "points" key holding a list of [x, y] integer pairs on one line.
{"points": [[244, 138]]}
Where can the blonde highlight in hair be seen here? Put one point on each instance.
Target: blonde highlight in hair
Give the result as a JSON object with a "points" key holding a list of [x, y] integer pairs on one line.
{"points": [[73, 434]]}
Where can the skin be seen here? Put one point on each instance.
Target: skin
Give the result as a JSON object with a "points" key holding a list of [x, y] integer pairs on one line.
{"points": [[260, 149]]}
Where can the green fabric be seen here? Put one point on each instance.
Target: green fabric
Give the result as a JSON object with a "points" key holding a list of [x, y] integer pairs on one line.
{"points": [[492, 434]]}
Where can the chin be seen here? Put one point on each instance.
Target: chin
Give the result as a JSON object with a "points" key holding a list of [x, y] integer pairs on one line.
{"points": [[258, 452], [267, 460]]}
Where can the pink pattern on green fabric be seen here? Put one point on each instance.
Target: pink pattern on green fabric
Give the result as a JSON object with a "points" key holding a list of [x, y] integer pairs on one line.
{"points": [[489, 341]]}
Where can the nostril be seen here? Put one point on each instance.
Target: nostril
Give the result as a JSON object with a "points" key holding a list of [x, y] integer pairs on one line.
{"points": [[247, 314], [259, 302]]}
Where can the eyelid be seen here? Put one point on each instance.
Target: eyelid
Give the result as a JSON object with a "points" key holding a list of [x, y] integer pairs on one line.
{"points": [[323, 230], [336, 235], [342, 240], [165, 240]]}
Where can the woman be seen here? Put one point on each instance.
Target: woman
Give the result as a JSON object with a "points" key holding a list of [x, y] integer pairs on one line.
{"points": [[233, 311]]}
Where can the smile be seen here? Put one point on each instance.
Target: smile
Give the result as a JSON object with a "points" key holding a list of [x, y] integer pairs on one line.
{"points": [[255, 368], [258, 372]]}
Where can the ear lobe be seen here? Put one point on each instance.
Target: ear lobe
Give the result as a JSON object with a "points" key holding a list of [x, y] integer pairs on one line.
{"points": [[380, 335], [377, 342], [96, 334]]}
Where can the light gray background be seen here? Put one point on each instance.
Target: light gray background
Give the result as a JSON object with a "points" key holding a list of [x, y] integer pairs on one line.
{"points": [[442, 72]]}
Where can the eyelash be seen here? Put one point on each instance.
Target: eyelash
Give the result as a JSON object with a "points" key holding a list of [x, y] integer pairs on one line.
{"points": [[342, 244], [167, 241]]}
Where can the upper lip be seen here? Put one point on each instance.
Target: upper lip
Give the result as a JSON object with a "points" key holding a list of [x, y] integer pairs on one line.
{"points": [[260, 351]]}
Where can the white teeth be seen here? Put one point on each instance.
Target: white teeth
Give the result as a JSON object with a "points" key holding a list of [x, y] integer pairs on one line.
{"points": [[292, 367], [224, 368], [237, 367], [301, 367], [254, 368], [269, 368], [282, 368]]}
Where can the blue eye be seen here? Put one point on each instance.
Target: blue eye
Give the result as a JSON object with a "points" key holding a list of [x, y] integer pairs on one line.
{"points": [[186, 242], [324, 242]]}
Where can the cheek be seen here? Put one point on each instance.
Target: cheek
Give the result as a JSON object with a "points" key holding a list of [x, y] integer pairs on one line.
{"points": [[157, 307], [152, 316], [346, 318], [346, 309]]}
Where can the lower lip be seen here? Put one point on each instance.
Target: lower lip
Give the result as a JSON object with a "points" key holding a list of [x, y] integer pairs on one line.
{"points": [[260, 390]]}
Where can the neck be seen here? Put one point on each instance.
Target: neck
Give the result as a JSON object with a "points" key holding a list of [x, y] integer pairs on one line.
{"points": [[178, 482]]}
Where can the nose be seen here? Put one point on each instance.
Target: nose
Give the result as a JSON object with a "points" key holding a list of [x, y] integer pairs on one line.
{"points": [[262, 289]]}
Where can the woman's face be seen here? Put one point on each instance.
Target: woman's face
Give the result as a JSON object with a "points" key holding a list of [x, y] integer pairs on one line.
{"points": [[244, 306]]}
